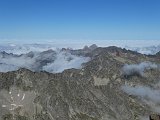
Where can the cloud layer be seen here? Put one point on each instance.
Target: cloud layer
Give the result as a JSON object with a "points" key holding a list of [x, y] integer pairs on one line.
{"points": [[50, 61], [143, 92], [65, 61], [141, 46], [25, 48], [137, 69]]}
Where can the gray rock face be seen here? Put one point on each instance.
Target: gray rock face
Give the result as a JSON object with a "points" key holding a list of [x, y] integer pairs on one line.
{"points": [[91, 93]]}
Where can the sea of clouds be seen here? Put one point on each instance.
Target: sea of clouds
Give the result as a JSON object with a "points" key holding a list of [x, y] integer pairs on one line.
{"points": [[53, 61], [19, 47]]}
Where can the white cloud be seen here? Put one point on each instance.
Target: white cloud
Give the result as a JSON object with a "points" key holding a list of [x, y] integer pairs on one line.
{"points": [[7, 67], [137, 69], [25, 48], [142, 46], [143, 92], [148, 95], [65, 61], [50, 61]]}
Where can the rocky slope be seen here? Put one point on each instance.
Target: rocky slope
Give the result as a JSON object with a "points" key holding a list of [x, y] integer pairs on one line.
{"points": [[91, 93]]}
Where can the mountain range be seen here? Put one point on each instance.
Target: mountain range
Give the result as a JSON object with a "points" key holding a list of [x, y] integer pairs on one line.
{"points": [[101, 83]]}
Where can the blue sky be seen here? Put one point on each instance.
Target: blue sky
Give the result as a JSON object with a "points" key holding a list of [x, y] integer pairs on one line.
{"points": [[80, 19]]}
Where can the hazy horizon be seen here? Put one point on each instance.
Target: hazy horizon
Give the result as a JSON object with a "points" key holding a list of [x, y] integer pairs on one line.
{"points": [[82, 43]]}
